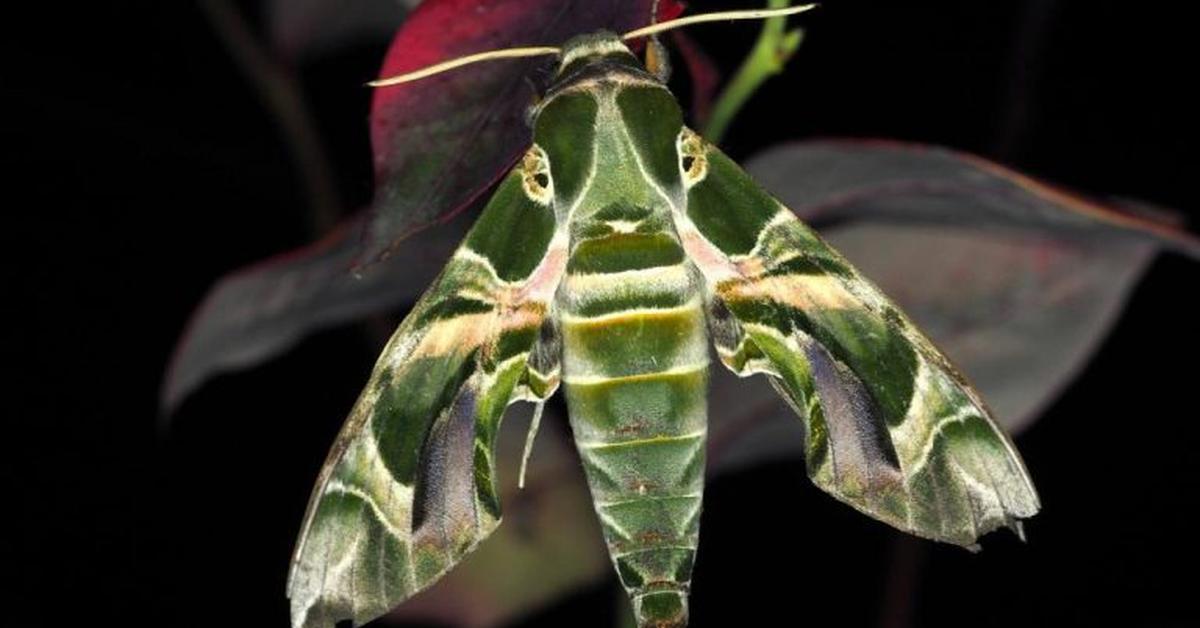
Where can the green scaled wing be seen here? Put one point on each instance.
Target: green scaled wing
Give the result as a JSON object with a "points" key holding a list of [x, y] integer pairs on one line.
{"points": [[892, 428], [409, 487]]}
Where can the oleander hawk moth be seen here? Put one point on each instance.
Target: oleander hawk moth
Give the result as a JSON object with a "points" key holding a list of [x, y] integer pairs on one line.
{"points": [[605, 261]]}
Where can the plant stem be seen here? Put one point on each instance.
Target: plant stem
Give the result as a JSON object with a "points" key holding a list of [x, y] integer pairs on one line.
{"points": [[281, 93], [775, 46]]}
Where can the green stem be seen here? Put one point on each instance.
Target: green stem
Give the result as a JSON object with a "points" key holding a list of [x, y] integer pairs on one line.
{"points": [[775, 46]]}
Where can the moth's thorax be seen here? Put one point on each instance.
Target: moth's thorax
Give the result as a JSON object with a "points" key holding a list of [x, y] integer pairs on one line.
{"points": [[610, 139], [618, 176]]}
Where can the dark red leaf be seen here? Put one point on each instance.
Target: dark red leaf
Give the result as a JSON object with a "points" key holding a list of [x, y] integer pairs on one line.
{"points": [[441, 142]]}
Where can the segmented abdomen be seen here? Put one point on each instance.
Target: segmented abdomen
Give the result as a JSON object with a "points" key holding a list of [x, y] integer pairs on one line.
{"points": [[635, 366]]}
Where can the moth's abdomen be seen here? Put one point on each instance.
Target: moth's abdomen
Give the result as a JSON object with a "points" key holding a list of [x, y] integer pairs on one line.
{"points": [[635, 366]]}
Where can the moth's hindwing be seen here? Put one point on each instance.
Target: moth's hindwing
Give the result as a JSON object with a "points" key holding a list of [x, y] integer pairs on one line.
{"points": [[409, 487], [892, 428]]}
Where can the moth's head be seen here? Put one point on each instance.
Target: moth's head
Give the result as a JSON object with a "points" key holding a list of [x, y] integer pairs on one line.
{"points": [[601, 48], [598, 55]]}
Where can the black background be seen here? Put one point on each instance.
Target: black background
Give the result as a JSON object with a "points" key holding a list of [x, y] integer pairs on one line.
{"points": [[144, 166]]}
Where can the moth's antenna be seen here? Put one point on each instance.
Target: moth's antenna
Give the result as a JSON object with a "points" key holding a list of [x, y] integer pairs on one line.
{"points": [[506, 53], [538, 51], [751, 14], [658, 61]]}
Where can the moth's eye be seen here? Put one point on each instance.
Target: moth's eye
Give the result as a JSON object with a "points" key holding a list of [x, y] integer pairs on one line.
{"points": [[693, 158], [535, 175]]}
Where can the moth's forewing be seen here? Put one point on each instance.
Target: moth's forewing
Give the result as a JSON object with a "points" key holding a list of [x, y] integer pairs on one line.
{"points": [[892, 428], [409, 486]]}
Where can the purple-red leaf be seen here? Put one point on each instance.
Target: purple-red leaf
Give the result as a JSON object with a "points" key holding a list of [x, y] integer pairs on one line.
{"points": [[441, 142], [1016, 281]]}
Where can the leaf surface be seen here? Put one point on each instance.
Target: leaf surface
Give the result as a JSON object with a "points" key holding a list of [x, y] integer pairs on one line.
{"points": [[258, 312]]}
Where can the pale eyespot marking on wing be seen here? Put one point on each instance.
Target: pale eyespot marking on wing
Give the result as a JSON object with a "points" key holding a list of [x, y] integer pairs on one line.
{"points": [[693, 158], [535, 176]]}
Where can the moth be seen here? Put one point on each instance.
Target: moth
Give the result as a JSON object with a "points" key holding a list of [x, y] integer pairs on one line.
{"points": [[605, 263]]}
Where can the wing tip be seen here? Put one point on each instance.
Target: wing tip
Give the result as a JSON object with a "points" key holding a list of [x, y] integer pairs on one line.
{"points": [[1018, 528], [1013, 522]]}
